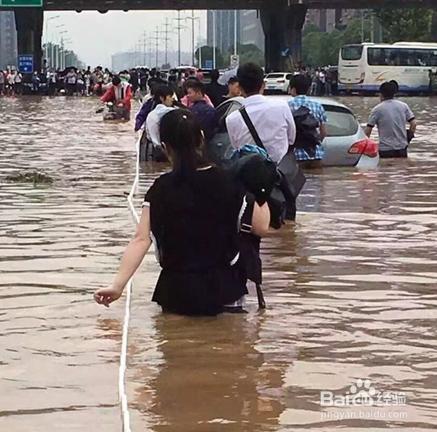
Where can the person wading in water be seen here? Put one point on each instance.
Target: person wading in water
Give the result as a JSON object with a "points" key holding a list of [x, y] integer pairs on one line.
{"points": [[194, 214]]}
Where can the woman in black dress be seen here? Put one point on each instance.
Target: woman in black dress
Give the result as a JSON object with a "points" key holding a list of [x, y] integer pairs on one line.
{"points": [[194, 215]]}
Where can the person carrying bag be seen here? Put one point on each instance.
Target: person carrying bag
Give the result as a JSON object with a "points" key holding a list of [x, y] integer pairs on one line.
{"points": [[290, 181]]}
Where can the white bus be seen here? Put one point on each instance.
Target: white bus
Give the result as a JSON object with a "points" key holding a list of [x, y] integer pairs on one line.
{"points": [[363, 68]]}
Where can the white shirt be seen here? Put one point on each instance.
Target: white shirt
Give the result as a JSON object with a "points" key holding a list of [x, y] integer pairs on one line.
{"points": [[272, 120], [153, 121]]}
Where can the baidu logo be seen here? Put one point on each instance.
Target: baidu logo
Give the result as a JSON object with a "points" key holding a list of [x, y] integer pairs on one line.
{"points": [[362, 394]]}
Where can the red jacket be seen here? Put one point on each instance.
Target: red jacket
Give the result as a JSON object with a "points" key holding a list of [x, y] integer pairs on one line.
{"points": [[119, 94]]}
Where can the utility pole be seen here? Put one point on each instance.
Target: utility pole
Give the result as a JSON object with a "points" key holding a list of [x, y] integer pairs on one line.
{"points": [[143, 43], [192, 38], [166, 26], [235, 31], [179, 27], [214, 41], [156, 46], [157, 39], [193, 47], [150, 46]]}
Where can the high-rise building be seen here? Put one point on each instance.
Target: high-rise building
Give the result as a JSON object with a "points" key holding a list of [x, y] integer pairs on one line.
{"points": [[328, 19], [251, 31], [224, 29], [8, 40]]}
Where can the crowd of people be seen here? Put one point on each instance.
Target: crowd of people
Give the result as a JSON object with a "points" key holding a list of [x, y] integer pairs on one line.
{"points": [[221, 211], [11, 82], [207, 220], [324, 80], [86, 82]]}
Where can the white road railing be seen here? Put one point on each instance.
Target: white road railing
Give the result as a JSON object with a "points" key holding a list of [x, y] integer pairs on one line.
{"points": [[124, 344]]}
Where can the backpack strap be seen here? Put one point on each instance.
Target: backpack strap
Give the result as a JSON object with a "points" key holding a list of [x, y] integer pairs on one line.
{"points": [[251, 128]]}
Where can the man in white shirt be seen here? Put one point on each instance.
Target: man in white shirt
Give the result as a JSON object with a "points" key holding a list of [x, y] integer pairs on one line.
{"points": [[164, 104], [272, 119]]}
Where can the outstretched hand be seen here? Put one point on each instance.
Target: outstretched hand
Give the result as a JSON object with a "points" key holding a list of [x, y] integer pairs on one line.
{"points": [[106, 296]]}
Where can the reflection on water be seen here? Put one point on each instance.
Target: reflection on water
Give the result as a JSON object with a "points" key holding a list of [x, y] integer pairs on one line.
{"points": [[350, 291]]}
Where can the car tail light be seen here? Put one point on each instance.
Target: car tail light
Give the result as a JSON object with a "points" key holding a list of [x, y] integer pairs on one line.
{"points": [[365, 147], [363, 75]]}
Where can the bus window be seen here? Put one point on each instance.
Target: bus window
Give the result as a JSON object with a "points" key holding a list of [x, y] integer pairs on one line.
{"points": [[352, 52], [401, 57]]}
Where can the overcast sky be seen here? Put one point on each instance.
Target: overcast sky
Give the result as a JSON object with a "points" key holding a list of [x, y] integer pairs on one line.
{"points": [[95, 37]]}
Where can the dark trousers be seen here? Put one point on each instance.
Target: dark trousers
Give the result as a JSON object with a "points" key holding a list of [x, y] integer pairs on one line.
{"points": [[385, 154], [52, 89]]}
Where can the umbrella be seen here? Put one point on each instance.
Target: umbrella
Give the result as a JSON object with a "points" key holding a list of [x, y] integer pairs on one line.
{"points": [[227, 75]]}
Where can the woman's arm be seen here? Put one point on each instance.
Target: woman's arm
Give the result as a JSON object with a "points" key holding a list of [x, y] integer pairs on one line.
{"points": [[132, 258], [260, 219]]}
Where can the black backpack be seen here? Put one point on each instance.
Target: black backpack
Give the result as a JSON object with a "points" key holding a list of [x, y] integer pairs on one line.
{"points": [[307, 130]]}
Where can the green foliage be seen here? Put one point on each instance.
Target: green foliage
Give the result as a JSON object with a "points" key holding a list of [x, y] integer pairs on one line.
{"points": [[207, 54], [310, 28], [408, 25], [433, 35], [247, 53], [250, 53], [321, 49]]}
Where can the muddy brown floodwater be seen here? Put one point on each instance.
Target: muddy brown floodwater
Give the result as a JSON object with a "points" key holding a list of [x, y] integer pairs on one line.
{"points": [[351, 292]]}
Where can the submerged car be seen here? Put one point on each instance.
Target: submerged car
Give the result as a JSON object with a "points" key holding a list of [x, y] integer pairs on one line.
{"points": [[345, 145]]}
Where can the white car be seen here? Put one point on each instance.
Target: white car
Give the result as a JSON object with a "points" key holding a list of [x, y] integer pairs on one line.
{"points": [[277, 82]]}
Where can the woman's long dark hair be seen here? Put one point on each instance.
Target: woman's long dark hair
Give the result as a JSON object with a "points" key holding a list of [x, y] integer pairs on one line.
{"points": [[181, 133]]}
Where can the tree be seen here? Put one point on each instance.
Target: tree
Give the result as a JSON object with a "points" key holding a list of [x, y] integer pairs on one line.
{"points": [[207, 54], [433, 35], [250, 53], [405, 24], [321, 49]]}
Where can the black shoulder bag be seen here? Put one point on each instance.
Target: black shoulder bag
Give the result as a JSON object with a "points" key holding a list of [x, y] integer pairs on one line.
{"points": [[291, 179]]}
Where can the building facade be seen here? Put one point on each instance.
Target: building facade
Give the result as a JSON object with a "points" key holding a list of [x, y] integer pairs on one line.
{"points": [[8, 40], [326, 20], [224, 21], [249, 29]]}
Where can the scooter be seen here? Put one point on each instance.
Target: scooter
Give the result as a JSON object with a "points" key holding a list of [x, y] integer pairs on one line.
{"points": [[113, 112]]}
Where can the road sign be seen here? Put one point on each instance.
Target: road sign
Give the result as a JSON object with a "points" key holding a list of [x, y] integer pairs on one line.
{"points": [[25, 63], [235, 61], [21, 3]]}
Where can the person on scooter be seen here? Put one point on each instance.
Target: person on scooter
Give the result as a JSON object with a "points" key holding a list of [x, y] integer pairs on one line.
{"points": [[120, 94]]}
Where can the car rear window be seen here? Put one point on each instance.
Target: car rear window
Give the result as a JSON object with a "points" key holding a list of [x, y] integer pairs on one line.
{"points": [[341, 122], [275, 76]]}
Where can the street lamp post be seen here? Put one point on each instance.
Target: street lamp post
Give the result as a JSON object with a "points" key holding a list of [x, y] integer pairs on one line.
{"points": [[214, 41], [179, 27], [235, 32], [193, 49], [48, 54]]}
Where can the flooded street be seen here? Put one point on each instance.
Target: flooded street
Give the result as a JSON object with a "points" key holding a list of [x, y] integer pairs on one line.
{"points": [[351, 294]]}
